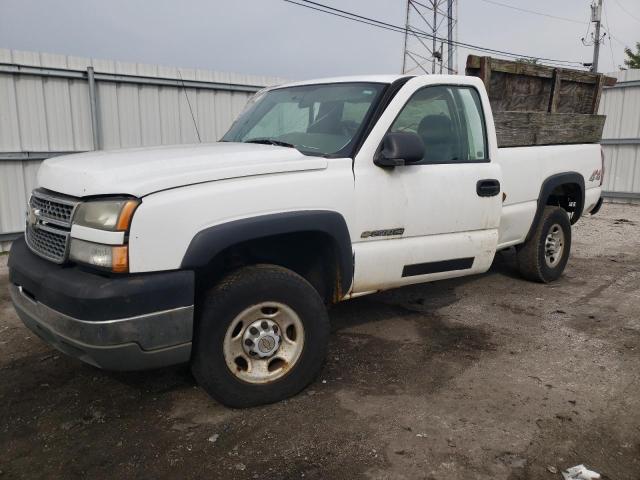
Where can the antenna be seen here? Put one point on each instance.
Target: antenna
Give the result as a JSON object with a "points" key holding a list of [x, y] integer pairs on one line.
{"points": [[184, 89]]}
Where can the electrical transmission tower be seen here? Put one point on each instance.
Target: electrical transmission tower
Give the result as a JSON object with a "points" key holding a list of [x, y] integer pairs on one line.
{"points": [[431, 27]]}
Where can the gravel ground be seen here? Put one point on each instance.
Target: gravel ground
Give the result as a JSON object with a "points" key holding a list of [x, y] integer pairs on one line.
{"points": [[484, 377]]}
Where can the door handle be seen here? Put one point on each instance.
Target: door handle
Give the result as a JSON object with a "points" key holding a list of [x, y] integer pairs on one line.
{"points": [[488, 188]]}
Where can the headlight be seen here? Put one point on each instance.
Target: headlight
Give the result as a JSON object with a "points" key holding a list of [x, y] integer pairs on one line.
{"points": [[114, 258], [113, 215]]}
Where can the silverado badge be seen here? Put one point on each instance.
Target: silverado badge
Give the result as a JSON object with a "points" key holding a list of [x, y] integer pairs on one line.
{"points": [[383, 233]]}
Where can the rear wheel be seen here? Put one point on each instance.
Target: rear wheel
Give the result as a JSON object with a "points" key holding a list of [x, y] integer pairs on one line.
{"points": [[261, 337], [544, 256]]}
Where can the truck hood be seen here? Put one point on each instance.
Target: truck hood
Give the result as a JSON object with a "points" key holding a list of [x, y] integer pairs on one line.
{"points": [[141, 171]]}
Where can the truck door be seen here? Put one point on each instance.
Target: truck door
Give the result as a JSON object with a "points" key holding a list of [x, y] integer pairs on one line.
{"points": [[437, 218]]}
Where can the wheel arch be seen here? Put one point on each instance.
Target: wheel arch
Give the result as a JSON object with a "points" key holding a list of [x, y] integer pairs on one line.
{"points": [[320, 225], [557, 183]]}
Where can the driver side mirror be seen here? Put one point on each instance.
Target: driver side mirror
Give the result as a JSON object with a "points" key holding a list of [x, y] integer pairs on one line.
{"points": [[400, 148]]}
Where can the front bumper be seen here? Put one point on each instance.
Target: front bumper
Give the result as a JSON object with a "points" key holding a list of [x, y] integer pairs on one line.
{"points": [[131, 322]]}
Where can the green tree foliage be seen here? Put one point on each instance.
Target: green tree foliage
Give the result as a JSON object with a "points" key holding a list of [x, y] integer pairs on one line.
{"points": [[633, 60]]}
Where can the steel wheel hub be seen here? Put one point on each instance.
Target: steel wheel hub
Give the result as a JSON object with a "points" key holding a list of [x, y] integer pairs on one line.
{"points": [[261, 339], [263, 342], [554, 246]]}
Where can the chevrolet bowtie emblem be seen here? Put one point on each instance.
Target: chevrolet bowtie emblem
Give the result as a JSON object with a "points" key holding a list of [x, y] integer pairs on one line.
{"points": [[32, 217]]}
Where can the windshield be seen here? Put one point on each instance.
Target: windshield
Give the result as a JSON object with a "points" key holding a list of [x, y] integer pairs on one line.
{"points": [[315, 119]]}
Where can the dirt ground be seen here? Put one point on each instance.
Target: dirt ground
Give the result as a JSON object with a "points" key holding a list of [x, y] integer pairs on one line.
{"points": [[485, 377]]}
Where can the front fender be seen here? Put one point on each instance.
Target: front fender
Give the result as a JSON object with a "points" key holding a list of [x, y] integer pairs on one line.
{"points": [[213, 240]]}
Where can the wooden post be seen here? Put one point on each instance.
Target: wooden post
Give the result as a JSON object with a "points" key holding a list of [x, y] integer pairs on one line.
{"points": [[597, 93], [555, 91], [485, 71]]}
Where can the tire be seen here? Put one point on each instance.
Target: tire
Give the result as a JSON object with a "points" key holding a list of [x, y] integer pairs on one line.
{"points": [[265, 297], [533, 262]]}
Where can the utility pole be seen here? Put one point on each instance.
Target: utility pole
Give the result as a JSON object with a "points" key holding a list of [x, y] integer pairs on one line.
{"points": [[596, 15], [406, 39]]}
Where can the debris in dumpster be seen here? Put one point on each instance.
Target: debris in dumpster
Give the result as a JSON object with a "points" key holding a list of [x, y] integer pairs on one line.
{"points": [[580, 472]]}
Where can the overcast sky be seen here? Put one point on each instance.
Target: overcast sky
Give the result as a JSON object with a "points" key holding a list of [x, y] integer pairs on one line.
{"points": [[272, 37]]}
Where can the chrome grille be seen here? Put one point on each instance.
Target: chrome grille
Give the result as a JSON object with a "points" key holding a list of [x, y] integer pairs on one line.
{"points": [[49, 225]]}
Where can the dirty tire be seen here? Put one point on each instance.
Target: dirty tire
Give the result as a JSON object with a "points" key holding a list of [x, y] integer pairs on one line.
{"points": [[531, 255], [236, 292]]}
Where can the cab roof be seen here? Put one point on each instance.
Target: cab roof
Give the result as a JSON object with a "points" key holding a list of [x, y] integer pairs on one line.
{"points": [[350, 79]]}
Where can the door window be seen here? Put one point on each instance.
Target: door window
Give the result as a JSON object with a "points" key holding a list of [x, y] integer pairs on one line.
{"points": [[473, 123], [450, 122]]}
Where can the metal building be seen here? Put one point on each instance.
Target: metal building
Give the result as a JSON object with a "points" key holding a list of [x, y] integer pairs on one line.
{"points": [[621, 137], [56, 104]]}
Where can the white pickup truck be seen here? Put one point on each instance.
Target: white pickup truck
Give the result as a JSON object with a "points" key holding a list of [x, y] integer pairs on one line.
{"points": [[226, 255]]}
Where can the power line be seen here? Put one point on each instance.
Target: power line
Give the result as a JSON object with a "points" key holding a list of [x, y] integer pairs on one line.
{"points": [[611, 35], [627, 11], [607, 29], [588, 22], [426, 15], [533, 12], [388, 26], [606, 21], [566, 19], [365, 20], [423, 34], [343, 16]]}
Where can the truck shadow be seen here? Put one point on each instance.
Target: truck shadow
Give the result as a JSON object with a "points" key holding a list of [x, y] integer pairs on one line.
{"points": [[425, 298], [505, 263], [419, 302]]}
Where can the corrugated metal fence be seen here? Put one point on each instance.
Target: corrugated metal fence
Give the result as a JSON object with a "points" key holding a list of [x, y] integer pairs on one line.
{"points": [[621, 137], [50, 105]]}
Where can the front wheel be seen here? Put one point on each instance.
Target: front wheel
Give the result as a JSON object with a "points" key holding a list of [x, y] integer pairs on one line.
{"points": [[261, 336], [544, 256]]}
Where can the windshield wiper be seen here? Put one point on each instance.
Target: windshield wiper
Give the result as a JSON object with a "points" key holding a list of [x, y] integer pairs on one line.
{"points": [[270, 141]]}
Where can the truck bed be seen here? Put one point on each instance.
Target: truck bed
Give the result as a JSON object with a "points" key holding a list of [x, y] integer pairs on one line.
{"points": [[522, 167]]}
